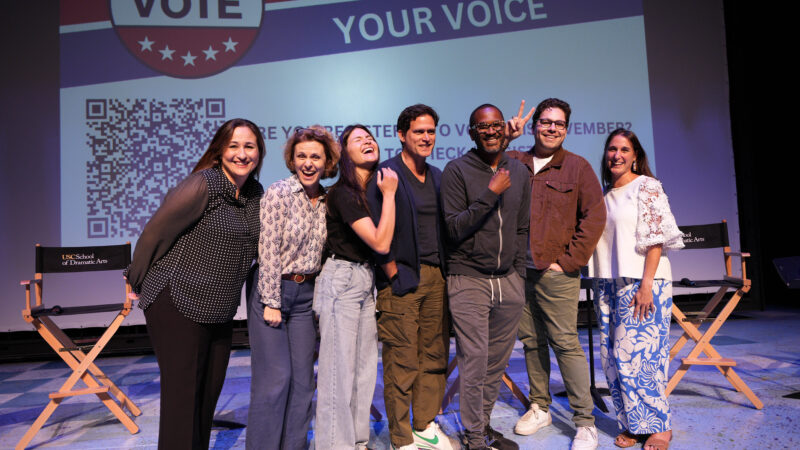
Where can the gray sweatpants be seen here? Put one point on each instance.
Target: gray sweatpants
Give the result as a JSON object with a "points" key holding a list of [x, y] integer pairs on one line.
{"points": [[485, 315]]}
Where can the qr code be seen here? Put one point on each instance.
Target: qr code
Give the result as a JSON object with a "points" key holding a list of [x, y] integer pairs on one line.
{"points": [[140, 148]]}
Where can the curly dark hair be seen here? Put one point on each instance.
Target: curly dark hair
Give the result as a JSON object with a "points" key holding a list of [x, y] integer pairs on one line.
{"points": [[551, 103]]}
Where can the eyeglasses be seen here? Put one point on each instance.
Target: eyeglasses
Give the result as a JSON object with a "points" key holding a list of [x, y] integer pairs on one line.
{"points": [[317, 132], [546, 123], [484, 127]]}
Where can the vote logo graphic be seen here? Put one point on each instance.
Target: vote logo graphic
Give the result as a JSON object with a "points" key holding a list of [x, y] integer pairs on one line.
{"points": [[187, 38]]}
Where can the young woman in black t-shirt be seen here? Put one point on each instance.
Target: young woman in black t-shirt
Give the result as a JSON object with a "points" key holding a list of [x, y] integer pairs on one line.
{"points": [[343, 297]]}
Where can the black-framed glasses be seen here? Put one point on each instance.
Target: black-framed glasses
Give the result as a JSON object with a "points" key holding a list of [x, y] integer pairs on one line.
{"points": [[546, 123], [484, 127]]}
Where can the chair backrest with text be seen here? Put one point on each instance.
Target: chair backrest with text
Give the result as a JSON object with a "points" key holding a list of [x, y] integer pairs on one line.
{"points": [[710, 236], [73, 260], [79, 358]]}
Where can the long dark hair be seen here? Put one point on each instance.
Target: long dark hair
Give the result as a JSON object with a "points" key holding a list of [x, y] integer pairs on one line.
{"points": [[642, 168], [213, 155], [348, 177]]}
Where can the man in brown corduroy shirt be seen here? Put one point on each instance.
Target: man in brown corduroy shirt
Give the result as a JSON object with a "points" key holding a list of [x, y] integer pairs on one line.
{"points": [[567, 218]]}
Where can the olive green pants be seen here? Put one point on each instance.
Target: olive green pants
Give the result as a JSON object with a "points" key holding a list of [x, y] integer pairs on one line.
{"points": [[415, 334], [550, 319]]}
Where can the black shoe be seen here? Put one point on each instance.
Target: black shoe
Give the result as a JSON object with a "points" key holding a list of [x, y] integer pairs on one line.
{"points": [[496, 440], [483, 446]]}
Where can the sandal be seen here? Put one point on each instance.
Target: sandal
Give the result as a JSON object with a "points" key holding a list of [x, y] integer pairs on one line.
{"points": [[657, 443], [626, 439]]}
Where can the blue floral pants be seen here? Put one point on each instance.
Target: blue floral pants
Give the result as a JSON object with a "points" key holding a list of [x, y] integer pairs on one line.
{"points": [[635, 354]]}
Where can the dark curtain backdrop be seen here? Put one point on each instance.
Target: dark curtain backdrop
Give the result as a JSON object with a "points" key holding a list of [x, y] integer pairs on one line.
{"points": [[767, 174]]}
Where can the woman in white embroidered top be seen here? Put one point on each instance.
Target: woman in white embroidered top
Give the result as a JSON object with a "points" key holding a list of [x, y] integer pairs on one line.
{"points": [[280, 320], [633, 292]]}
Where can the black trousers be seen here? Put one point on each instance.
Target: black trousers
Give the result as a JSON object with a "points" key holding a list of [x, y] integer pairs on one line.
{"points": [[192, 358]]}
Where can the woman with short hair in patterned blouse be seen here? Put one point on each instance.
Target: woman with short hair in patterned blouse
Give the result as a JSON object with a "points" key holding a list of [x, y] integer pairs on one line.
{"points": [[633, 292], [188, 270], [280, 320]]}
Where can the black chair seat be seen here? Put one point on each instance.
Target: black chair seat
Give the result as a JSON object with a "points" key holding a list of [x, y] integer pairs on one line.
{"points": [[686, 283], [41, 311]]}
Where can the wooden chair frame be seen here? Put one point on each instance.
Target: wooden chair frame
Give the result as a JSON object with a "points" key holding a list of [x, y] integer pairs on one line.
{"points": [[81, 363], [691, 324]]}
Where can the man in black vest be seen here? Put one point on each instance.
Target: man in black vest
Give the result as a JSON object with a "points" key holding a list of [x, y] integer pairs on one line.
{"points": [[411, 293]]}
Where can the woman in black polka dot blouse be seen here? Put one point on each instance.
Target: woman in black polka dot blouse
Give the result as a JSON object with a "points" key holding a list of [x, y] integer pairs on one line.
{"points": [[188, 270]]}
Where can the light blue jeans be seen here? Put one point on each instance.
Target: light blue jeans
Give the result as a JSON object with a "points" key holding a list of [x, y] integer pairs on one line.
{"points": [[348, 354]]}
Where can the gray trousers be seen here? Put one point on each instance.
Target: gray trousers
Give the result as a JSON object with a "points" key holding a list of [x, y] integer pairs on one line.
{"points": [[485, 314], [550, 319]]}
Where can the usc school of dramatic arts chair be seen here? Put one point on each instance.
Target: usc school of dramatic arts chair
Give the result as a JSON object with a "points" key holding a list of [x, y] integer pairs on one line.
{"points": [[710, 236], [79, 358]]}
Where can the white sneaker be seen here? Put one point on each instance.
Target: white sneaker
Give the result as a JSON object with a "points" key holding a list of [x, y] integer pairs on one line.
{"points": [[432, 438], [533, 420], [585, 438]]}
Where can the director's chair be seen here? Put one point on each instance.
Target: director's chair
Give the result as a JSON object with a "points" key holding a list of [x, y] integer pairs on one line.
{"points": [[70, 260], [708, 237]]}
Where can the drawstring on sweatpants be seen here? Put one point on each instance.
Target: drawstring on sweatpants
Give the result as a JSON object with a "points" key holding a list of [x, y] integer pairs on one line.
{"points": [[499, 289]]}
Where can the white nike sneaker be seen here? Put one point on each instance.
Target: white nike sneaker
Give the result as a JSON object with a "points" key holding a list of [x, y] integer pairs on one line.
{"points": [[432, 438]]}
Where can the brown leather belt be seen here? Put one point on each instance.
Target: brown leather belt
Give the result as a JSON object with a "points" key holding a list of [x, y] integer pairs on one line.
{"points": [[299, 277]]}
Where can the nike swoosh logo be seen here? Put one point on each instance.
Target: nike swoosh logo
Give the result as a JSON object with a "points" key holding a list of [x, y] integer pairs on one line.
{"points": [[433, 441]]}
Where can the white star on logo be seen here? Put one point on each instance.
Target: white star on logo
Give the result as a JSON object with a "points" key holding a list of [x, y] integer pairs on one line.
{"points": [[230, 46], [188, 58], [166, 53], [211, 53], [146, 44]]}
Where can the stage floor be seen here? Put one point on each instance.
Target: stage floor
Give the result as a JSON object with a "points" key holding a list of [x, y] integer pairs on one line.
{"points": [[706, 412]]}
